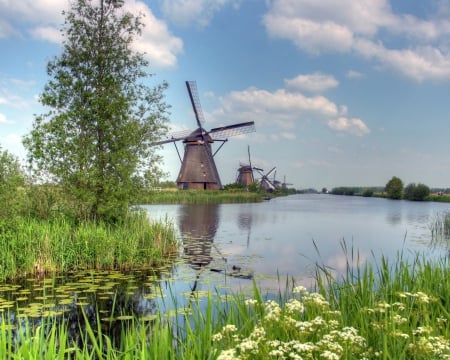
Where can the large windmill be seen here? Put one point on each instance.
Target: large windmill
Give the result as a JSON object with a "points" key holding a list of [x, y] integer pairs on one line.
{"points": [[198, 169]]}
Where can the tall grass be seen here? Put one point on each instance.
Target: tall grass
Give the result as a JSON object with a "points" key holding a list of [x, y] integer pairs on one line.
{"points": [[392, 310], [440, 229], [30, 246], [200, 197]]}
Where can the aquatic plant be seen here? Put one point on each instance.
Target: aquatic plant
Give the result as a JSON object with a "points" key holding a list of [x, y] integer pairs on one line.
{"points": [[200, 197], [30, 246], [440, 229]]}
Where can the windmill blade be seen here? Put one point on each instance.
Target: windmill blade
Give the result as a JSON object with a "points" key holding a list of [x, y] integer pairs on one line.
{"points": [[260, 172], [174, 136], [232, 130], [249, 160], [195, 101], [271, 171]]}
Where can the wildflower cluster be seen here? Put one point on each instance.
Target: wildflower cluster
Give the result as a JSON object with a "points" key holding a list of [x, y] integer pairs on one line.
{"points": [[294, 330], [306, 327]]}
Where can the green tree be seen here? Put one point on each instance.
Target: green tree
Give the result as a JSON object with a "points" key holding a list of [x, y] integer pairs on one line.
{"points": [[416, 192], [94, 142], [12, 182], [394, 188]]}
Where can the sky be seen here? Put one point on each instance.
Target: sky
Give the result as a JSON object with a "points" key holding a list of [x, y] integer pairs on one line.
{"points": [[342, 92]]}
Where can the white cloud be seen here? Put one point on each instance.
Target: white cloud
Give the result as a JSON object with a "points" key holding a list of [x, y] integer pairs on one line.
{"points": [[281, 110], [352, 74], [288, 135], [198, 12], [352, 126], [359, 27], [47, 33], [422, 63], [43, 20], [315, 82], [313, 37], [158, 44], [2, 119]]}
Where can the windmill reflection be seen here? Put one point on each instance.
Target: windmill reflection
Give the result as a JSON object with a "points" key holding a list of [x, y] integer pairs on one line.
{"points": [[198, 225]]}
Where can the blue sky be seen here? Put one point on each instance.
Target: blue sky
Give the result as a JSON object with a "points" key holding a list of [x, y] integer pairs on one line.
{"points": [[343, 92]]}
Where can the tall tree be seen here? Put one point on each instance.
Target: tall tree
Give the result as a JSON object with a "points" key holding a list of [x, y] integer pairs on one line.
{"points": [[95, 139], [394, 188]]}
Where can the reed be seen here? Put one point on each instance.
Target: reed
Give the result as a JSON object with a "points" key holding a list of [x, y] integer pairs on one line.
{"points": [[30, 246], [440, 229], [200, 197]]}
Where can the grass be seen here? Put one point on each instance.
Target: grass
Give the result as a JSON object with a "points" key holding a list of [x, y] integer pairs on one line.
{"points": [[440, 228], [201, 197], [30, 246], [391, 310]]}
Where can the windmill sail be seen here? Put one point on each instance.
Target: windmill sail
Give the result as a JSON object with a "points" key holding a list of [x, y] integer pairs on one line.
{"points": [[195, 101], [232, 130], [198, 169]]}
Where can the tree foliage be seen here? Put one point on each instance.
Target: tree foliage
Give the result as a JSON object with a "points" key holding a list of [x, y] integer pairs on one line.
{"points": [[103, 116], [12, 182], [416, 192], [394, 188]]}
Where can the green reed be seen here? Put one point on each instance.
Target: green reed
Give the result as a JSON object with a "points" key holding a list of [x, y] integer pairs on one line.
{"points": [[200, 197], [30, 246], [440, 229]]}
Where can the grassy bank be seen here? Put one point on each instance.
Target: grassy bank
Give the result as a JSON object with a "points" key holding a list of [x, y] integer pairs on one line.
{"points": [[30, 246], [199, 197], [395, 310]]}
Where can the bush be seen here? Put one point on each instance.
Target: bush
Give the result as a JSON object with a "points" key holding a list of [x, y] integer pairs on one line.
{"points": [[394, 188], [417, 192]]}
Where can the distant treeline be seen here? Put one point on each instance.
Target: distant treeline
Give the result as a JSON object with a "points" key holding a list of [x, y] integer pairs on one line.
{"points": [[395, 189], [357, 190]]}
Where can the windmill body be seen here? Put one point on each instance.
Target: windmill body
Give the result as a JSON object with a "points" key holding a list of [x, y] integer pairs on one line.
{"points": [[245, 173], [198, 168]]}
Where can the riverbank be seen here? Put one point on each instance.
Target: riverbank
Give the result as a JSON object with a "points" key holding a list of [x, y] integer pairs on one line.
{"points": [[32, 247], [392, 310]]}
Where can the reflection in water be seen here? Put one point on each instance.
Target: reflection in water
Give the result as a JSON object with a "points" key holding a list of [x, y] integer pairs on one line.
{"points": [[198, 225], [245, 220], [394, 217], [79, 300]]}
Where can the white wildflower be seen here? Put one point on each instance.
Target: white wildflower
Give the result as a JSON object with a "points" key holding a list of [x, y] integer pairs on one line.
{"points": [[300, 290], [228, 355], [251, 302], [329, 355], [294, 306]]}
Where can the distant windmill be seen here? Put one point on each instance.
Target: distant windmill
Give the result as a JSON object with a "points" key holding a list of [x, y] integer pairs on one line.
{"points": [[265, 183], [198, 169], [284, 185], [245, 173]]}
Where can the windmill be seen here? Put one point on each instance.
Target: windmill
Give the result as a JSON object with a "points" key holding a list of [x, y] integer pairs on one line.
{"points": [[198, 169], [265, 183], [284, 185], [245, 173]]}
